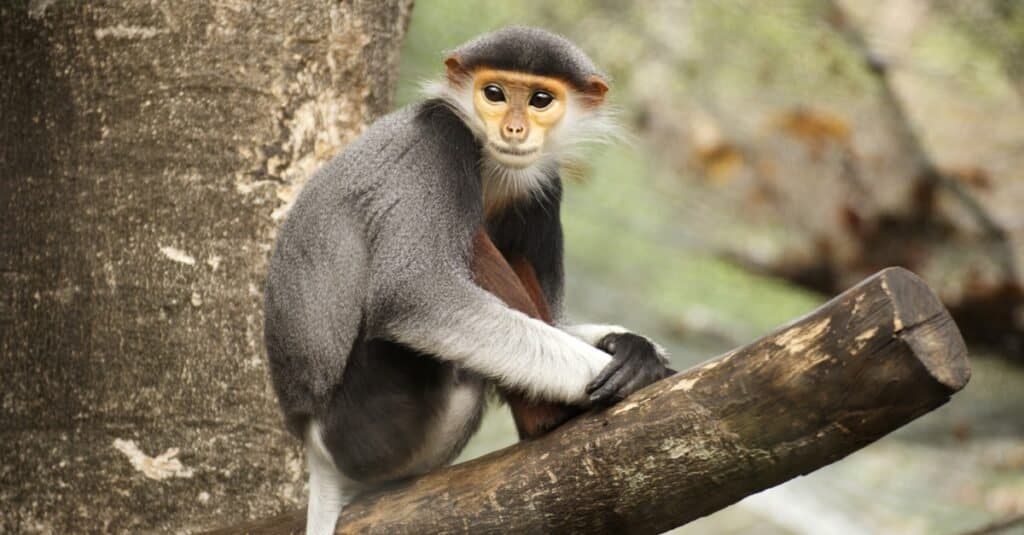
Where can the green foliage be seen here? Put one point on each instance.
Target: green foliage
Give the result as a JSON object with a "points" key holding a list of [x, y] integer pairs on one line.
{"points": [[619, 228], [444, 24]]}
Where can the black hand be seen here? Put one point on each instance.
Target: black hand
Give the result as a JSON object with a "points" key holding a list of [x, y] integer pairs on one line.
{"points": [[635, 364]]}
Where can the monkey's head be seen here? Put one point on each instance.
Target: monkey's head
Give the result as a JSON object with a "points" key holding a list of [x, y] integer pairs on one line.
{"points": [[529, 96]]}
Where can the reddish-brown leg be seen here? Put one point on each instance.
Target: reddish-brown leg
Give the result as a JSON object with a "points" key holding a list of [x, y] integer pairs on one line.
{"points": [[515, 282]]}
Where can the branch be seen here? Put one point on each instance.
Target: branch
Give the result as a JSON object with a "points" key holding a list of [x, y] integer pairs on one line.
{"points": [[865, 363], [902, 126]]}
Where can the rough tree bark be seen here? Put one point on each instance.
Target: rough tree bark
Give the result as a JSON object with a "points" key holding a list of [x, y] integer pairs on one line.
{"points": [[146, 150], [869, 361]]}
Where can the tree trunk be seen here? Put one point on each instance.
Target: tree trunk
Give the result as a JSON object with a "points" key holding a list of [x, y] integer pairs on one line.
{"points": [[147, 150], [860, 366]]}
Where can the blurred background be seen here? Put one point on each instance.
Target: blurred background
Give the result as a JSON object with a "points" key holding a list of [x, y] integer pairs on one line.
{"points": [[776, 156]]}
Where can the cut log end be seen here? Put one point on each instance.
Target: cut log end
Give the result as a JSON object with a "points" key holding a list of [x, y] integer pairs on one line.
{"points": [[924, 324]]}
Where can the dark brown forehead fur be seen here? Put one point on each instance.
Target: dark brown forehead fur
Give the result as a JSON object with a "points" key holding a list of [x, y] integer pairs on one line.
{"points": [[532, 51]]}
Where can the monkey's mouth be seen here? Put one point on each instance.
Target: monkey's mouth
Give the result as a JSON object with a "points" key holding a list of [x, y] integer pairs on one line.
{"points": [[511, 151]]}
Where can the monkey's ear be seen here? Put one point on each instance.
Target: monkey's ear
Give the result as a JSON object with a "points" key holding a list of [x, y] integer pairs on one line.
{"points": [[595, 90], [456, 72]]}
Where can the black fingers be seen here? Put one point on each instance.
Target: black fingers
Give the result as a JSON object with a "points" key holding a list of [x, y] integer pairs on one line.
{"points": [[608, 371], [636, 364], [610, 391]]}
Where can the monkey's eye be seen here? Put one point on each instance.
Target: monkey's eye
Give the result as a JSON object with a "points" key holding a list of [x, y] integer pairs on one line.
{"points": [[494, 93], [541, 100]]}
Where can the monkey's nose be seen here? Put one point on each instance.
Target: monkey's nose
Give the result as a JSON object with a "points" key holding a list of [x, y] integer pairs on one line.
{"points": [[514, 131]]}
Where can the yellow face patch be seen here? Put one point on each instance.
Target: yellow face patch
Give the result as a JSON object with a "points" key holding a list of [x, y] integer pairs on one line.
{"points": [[519, 110]]}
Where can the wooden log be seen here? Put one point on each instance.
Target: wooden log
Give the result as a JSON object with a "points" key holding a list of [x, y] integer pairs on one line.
{"points": [[808, 394]]}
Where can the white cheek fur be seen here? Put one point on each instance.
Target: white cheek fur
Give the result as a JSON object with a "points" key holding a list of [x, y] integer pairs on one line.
{"points": [[460, 100]]}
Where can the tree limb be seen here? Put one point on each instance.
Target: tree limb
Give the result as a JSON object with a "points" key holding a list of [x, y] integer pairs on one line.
{"points": [[930, 175], [810, 393]]}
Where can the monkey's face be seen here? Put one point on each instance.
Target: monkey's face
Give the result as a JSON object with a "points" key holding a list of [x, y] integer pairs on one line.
{"points": [[519, 112]]}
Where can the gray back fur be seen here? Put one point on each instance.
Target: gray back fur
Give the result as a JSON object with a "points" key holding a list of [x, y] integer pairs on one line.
{"points": [[366, 228]]}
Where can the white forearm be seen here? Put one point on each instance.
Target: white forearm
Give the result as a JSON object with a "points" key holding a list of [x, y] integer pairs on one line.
{"points": [[510, 347], [592, 333]]}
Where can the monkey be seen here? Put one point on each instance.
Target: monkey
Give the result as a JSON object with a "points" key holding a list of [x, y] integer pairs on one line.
{"points": [[381, 339]]}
